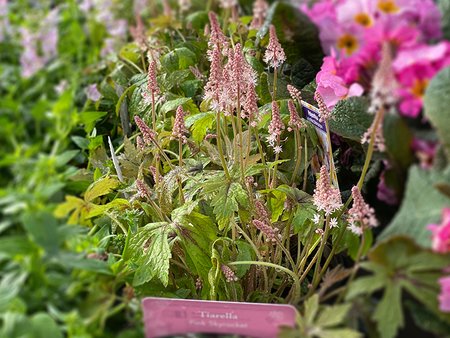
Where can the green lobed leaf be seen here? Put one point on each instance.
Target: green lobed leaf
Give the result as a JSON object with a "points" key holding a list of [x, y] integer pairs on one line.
{"points": [[422, 205], [388, 313]]}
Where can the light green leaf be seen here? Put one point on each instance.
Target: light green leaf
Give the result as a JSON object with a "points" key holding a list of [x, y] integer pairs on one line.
{"points": [[101, 187], [436, 103], [173, 104], [44, 326], [388, 313], [311, 309], [332, 315], [421, 205], [339, 333]]}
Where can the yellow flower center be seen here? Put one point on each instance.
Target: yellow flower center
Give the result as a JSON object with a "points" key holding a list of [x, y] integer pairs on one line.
{"points": [[363, 19], [347, 42], [388, 6], [419, 87]]}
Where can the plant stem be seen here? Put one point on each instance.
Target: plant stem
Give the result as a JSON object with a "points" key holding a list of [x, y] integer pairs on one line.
{"points": [[305, 173], [275, 169], [378, 119], [298, 147], [320, 252], [354, 270], [263, 158], [220, 148], [296, 292]]}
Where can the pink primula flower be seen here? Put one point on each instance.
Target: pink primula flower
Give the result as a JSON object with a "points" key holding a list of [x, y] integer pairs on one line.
{"points": [[441, 233], [331, 86], [444, 296]]}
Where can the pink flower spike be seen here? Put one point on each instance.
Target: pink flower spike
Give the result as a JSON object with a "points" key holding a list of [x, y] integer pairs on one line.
{"points": [[217, 38], [444, 296], [361, 213], [295, 93], [179, 129], [152, 84], [274, 55], [276, 125], [294, 122], [271, 233], [441, 233], [260, 8], [212, 87], [147, 134], [326, 198], [324, 112], [229, 274]]}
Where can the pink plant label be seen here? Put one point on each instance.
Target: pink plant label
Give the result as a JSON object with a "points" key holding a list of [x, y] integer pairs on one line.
{"points": [[165, 317]]}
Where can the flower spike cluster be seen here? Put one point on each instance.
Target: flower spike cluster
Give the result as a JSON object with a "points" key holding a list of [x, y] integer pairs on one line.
{"points": [[274, 55], [262, 223], [147, 134], [229, 274], [216, 38], [326, 198], [179, 129], [360, 213], [276, 125], [294, 121], [324, 112], [296, 95], [260, 8]]}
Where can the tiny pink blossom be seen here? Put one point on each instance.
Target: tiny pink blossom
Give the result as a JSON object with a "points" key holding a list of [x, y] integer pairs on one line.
{"points": [[295, 94], [274, 55], [441, 233], [229, 274]]}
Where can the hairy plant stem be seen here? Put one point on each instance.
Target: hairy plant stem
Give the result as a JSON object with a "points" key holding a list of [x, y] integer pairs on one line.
{"points": [[241, 138], [263, 158], [305, 173], [320, 252], [275, 168], [298, 147], [275, 79], [354, 270], [296, 288], [378, 118], [180, 164], [252, 244], [220, 148]]}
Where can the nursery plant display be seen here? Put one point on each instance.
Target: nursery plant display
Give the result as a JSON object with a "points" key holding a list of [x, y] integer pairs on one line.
{"points": [[168, 149]]}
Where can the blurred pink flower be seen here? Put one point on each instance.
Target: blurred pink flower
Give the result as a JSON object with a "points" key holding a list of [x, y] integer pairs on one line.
{"points": [[386, 193], [92, 92], [413, 83], [444, 296], [425, 151], [360, 12], [441, 233], [331, 86]]}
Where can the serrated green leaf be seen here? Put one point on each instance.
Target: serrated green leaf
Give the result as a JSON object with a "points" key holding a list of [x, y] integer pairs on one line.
{"points": [[311, 309], [173, 104], [365, 285], [422, 205], [388, 313], [149, 248], [332, 315], [225, 202], [101, 187], [201, 123]]}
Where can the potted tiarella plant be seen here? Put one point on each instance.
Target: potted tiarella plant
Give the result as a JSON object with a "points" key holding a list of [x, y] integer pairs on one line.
{"points": [[227, 158]]}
